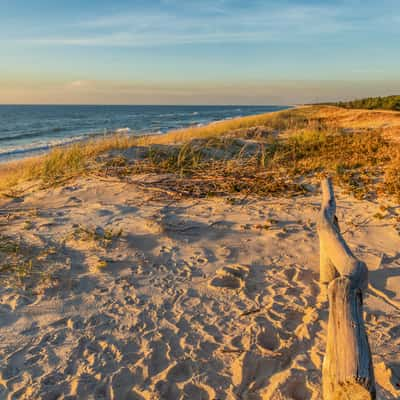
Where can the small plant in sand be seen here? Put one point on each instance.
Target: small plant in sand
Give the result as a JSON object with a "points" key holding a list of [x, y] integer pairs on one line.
{"points": [[20, 264], [28, 225], [8, 246], [102, 237]]}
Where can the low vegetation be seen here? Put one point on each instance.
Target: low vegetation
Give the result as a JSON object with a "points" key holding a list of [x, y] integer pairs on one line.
{"points": [[22, 265], [60, 164], [101, 237], [66, 162], [363, 163], [277, 153]]}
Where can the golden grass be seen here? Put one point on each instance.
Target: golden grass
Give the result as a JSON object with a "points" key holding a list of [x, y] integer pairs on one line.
{"points": [[73, 160], [276, 120], [293, 144], [355, 119], [275, 166], [62, 162]]}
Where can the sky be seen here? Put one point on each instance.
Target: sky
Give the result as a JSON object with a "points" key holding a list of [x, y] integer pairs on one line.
{"points": [[197, 51]]}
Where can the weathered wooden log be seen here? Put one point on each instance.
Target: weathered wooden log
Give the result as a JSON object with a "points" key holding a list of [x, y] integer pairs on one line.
{"points": [[347, 368], [347, 371], [337, 258]]}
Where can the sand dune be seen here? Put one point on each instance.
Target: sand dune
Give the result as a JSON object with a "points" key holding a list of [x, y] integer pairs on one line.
{"points": [[143, 297]]}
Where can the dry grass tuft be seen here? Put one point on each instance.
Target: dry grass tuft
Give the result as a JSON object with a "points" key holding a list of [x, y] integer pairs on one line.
{"points": [[20, 264]]}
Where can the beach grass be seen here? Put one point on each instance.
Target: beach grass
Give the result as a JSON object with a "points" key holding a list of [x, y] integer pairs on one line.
{"points": [[73, 160], [60, 163], [274, 166], [262, 154]]}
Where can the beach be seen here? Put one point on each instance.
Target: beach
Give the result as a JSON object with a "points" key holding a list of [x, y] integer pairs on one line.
{"points": [[158, 271]]}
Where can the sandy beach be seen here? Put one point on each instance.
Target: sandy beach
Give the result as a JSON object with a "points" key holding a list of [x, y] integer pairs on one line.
{"points": [[200, 299], [121, 290], [200, 200]]}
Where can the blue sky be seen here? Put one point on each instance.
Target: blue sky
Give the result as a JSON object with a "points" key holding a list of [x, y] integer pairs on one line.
{"points": [[220, 51]]}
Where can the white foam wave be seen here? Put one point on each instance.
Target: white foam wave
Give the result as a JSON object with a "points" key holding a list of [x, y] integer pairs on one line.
{"points": [[123, 130]]}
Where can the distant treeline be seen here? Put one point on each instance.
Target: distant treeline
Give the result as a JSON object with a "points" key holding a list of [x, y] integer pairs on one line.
{"points": [[372, 103]]}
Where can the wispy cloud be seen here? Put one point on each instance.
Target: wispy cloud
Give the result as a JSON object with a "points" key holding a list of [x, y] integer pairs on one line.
{"points": [[218, 23]]}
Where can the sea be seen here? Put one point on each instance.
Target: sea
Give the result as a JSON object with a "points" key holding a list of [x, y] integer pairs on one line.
{"points": [[27, 130]]}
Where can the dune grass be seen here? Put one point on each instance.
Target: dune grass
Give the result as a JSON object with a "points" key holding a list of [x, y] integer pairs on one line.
{"points": [[60, 163], [278, 121], [263, 154], [275, 166], [74, 160]]}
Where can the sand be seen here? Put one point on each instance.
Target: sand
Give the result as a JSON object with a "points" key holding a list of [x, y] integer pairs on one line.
{"points": [[141, 296]]}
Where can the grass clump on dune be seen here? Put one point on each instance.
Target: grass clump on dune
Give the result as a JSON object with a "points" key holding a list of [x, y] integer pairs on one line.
{"points": [[273, 165], [17, 264]]}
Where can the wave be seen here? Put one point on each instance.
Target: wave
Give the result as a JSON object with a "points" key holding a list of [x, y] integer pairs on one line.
{"points": [[39, 129], [20, 136], [59, 129], [123, 130], [29, 135], [40, 147]]}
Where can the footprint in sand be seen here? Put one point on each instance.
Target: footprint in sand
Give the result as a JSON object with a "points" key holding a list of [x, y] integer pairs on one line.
{"points": [[268, 340], [230, 277], [74, 199], [121, 384], [193, 392], [294, 387], [166, 390], [387, 378]]}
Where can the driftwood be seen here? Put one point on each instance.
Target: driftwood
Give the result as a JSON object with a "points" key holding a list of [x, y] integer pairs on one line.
{"points": [[347, 371]]}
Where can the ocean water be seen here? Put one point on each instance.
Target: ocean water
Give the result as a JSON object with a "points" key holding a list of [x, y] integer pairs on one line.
{"points": [[28, 130]]}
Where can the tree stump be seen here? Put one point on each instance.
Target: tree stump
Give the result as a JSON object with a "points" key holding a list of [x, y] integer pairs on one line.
{"points": [[347, 371]]}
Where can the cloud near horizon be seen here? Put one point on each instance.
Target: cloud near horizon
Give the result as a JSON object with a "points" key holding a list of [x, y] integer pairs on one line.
{"points": [[115, 92]]}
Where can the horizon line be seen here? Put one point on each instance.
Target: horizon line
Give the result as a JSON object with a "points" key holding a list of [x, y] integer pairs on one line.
{"points": [[151, 105]]}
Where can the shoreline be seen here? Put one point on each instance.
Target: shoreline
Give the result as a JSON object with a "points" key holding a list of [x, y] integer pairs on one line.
{"points": [[24, 153], [73, 159]]}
